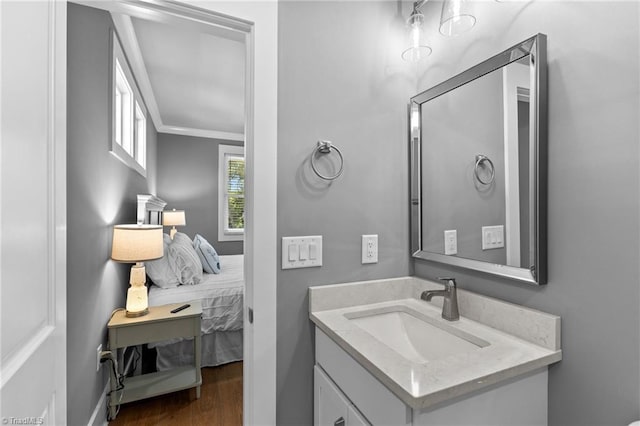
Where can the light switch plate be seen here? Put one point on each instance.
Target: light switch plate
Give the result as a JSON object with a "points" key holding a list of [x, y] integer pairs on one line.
{"points": [[492, 237], [307, 252]]}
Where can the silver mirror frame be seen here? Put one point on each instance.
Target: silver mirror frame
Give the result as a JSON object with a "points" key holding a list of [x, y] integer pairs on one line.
{"points": [[536, 47]]}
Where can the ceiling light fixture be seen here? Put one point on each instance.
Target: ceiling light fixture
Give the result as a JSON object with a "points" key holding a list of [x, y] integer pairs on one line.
{"points": [[456, 17], [418, 49]]}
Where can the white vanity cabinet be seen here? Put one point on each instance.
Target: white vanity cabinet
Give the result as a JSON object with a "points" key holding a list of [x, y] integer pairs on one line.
{"points": [[331, 406], [346, 394], [370, 400], [387, 355]]}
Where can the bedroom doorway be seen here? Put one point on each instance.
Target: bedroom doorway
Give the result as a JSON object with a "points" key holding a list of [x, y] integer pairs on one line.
{"points": [[241, 19]]}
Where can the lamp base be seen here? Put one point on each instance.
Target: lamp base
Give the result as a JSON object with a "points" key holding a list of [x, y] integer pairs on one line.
{"points": [[134, 314]]}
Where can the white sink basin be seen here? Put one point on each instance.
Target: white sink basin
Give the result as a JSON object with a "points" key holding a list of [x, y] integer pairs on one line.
{"points": [[415, 336]]}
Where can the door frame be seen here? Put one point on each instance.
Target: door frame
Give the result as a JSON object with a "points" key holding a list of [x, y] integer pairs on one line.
{"points": [[258, 22]]}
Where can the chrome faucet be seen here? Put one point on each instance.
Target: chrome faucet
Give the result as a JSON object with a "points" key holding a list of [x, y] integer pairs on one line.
{"points": [[450, 305]]}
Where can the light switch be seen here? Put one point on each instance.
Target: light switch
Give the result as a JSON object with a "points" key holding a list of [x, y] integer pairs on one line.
{"points": [[301, 252], [304, 251], [293, 252], [492, 237]]}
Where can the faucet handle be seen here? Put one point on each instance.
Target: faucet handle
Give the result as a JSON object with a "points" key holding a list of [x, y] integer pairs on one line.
{"points": [[448, 281]]}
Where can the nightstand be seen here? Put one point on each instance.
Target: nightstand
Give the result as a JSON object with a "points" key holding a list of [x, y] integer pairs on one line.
{"points": [[159, 324]]}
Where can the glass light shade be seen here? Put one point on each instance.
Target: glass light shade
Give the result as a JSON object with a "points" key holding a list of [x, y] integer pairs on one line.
{"points": [[418, 49], [456, 17], [137, 243], [174, 218]]}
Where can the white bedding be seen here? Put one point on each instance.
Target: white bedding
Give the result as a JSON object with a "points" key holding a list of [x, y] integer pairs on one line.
{"points": [[221, 296]]}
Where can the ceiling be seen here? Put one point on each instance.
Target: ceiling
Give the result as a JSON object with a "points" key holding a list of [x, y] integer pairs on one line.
{"points": [[191, 80]]}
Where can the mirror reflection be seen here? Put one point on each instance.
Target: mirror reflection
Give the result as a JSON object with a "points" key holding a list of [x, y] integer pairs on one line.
{"points": [[467, 161], [475, 164]]}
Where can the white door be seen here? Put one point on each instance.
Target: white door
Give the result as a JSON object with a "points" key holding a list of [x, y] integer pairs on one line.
{"points": [[33, 212]]}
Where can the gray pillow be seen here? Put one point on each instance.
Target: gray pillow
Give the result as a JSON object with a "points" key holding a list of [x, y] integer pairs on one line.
{"points": [[184, 260], [207, 254], [159, 270]]}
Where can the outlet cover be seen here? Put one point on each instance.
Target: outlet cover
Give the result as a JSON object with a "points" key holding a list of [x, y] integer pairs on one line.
{"points": [[98, 352], [370, 248], [451, 242]]}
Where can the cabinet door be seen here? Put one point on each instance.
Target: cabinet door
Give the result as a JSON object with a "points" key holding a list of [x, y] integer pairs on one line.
{"points": [[331, 408], [355, 418]]}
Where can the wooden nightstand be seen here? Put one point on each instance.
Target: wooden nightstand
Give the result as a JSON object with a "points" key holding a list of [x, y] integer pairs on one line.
{"points": [[159, 324]]}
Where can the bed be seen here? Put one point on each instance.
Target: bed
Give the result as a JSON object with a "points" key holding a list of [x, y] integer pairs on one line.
{"points": [[222, 298]]}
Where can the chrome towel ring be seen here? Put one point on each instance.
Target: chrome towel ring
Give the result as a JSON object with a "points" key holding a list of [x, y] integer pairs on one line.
{"points": [[325, 147], [480, 162]]}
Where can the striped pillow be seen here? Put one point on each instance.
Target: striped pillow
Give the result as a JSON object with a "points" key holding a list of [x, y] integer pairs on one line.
{"points": [[184, 260]]}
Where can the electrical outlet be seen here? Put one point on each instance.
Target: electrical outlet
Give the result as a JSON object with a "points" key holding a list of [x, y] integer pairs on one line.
{"points": [[451, 242], [98, 352], [370, 249]]}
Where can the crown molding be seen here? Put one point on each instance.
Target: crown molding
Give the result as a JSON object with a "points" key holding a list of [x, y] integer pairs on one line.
{"points": [[201, 133], [128, 39]]}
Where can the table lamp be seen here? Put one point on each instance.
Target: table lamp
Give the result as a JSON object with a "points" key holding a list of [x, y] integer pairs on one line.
{"points": [[173, 218], [136, 244]]}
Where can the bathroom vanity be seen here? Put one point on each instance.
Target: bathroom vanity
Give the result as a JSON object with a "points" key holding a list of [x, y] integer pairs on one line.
{"points": [[385, 357]]}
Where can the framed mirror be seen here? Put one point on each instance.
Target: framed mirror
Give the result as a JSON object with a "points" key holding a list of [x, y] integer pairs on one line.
{"points": [[478, 166]]}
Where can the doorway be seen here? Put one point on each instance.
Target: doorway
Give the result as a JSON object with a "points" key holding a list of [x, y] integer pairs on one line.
{"points": [[260, 144]]}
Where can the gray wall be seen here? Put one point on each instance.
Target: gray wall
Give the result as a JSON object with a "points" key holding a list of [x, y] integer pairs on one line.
{"points": [[457, 126], [337, 80], [593, 197], [101, 192], [340, 78], [188, 180]]}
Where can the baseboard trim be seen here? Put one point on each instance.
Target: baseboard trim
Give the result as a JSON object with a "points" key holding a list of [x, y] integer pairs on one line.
{"points": [[99, 415]]}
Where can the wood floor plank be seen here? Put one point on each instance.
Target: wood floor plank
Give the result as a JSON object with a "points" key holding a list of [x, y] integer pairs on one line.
{"points": [[220, 403]]}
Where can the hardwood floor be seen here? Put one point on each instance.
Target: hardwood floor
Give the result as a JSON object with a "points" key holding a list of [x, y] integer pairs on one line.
{"points": [[220, 403]]}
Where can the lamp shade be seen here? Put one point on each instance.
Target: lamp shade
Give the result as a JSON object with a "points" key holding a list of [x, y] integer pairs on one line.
{"points": [[174, 218], [137, 243]]}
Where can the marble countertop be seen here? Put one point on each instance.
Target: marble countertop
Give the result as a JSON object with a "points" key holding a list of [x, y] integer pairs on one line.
{"points": [[521, 340]]}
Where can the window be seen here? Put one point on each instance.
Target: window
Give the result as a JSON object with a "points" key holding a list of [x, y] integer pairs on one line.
{"points": [[140, 136], [129, 122], [230, 193]]}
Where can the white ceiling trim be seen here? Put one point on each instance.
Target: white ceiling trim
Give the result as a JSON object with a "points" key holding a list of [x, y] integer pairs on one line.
{"points": [[211, 134], [127, 35]]}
